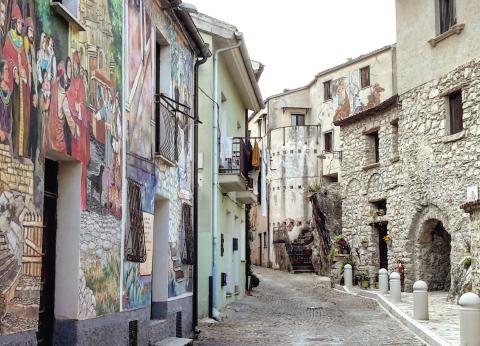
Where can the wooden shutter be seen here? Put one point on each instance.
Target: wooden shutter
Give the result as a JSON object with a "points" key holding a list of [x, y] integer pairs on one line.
{"points": [[135, 243]]}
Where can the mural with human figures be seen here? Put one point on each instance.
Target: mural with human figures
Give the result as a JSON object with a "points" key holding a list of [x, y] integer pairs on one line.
{"points": [[60, 96], [349, 98], [173, 183]]}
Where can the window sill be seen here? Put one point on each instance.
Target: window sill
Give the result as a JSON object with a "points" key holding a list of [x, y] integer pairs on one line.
{"points": [[328, 100], [371, 166], [454, 30], [453, 138]]}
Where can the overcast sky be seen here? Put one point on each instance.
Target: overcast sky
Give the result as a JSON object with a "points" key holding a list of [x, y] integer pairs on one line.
{"points": [[296, 39]]}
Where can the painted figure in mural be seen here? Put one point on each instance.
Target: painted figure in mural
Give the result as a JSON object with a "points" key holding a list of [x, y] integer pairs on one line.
{"points": [[115, 144], [3, 18], [14, 53], [29, 44], [62, 127], [5, 104], [343, 102], [374, 97], [52, 59], [77, 104]]}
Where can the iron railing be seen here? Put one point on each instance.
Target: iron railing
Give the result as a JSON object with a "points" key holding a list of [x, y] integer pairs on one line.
{"points": [[238, 158]]}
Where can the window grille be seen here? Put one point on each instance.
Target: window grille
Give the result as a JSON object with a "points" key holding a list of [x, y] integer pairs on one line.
{"points": [[135, 251], [188, 255]]}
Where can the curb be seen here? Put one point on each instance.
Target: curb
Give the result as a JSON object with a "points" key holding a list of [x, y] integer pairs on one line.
{"points": [[420, 331]]}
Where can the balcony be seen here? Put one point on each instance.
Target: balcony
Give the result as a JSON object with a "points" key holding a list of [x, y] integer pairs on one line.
{"points": [[234, 165], [331, 163], [246, 197]]}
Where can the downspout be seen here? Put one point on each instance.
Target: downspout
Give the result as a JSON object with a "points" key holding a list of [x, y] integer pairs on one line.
{"points": [[195, 191], [216, 107], [247, 221]]}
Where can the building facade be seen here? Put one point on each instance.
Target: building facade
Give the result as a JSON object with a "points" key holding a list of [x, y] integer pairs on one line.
{"points": [[410, 163], [81, 172], [228, 90], [304, 148]]}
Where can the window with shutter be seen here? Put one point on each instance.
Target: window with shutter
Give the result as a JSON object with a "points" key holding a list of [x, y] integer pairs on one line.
{"points": [[135, 239], [365, 77], [188, 253], [455, 112], [327, 90], [447, 14]]}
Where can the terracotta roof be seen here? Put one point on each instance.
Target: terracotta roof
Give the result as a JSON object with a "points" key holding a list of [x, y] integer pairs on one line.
{"points": [[381, 107]]}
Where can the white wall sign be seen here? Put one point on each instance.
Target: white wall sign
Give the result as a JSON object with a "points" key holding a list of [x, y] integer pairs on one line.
{"points": [[472, 193]]}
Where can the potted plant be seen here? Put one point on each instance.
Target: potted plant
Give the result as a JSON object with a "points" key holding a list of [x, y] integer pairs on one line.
{"points": [[388, 240], [364, 281], [341, 244]]}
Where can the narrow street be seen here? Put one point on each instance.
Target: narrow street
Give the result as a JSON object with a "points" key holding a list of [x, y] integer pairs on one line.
{"points": [[278, 314]]}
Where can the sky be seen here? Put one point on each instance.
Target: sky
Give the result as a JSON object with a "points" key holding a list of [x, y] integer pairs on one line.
{"points": [[296, 39]]}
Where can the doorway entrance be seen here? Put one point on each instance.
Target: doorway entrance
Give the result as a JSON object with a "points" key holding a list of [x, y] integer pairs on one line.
{"points": [[382, 245], [46, 316], [433, 255]]}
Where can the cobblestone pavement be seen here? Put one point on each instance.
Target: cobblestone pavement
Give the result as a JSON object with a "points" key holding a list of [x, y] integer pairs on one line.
{"points": [[278, 314]]}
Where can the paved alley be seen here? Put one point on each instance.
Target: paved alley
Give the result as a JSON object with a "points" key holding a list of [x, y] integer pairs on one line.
{"points": [[278, 314]]}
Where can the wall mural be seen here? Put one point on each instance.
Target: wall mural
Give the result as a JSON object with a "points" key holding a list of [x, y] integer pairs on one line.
{"points": [[173, 183], [348, 97], [60, 93]]}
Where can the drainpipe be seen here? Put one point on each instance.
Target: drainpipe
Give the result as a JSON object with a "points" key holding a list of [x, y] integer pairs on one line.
{"points": [[216, 107], [195, 190]]}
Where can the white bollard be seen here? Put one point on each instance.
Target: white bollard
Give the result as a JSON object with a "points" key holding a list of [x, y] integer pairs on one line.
{"points": [[469, 319], [420, 300], [347, 275], [383, 281], [395, 288]]}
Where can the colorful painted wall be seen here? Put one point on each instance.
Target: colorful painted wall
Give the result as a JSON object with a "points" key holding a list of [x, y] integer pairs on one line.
{"points": [[156, 178], [60, 96]]}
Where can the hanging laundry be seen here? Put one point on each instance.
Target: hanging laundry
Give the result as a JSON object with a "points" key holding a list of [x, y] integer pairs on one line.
{"points": [[249, 148], [256, 156], [226, 148]]}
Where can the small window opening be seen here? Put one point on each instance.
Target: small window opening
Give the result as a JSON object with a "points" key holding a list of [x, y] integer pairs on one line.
{"points": [[373, 145], [365, 77], [328, 139], [455, 112], [395, 137], [447, 14], [297, 119], [379, 206], [327, 90]]}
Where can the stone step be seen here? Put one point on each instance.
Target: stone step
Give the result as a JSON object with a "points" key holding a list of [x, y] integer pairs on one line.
{"points": [[6, 263], [174, 342], [4, 254], [303, 271]]}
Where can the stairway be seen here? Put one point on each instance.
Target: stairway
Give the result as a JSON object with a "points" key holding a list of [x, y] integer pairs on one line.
{"points": [[300, 253], [8, 265]]}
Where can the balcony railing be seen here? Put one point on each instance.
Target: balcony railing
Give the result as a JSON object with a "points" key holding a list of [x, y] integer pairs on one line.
{"points": [[237, 159], [334, 154]]}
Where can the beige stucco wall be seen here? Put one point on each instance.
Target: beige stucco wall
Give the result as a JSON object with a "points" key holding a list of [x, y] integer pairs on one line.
{"points": [[418, 62]]}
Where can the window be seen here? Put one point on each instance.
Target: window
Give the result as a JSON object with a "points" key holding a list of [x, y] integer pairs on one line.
{"points": [[373, 153], [264, 239], [297, 119], [447, 14], [135, 245], [327, 90], [455, 112], [259, 125], [395, 137], [328, 142], [365, 77], [157, 104], [380, 205]]}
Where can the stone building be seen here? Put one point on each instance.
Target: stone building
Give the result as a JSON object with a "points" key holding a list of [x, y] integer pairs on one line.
{"points": [[302, 145], [409, 162], [88, 161]]}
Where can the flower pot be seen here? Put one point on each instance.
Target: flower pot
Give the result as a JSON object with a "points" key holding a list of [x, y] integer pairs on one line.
{"points": [[364, 284]]}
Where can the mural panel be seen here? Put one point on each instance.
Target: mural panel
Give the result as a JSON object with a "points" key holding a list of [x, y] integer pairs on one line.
{"points": [[60, 93]]}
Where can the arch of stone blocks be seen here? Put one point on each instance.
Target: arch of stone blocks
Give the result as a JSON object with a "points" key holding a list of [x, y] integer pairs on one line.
{"points": [[429, 249]]}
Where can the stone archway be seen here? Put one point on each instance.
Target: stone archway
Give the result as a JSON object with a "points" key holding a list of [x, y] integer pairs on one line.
{"points": [[433, 255], [429, 244]]}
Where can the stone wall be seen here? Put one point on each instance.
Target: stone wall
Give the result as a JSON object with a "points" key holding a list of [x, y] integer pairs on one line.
{"points": [[423, 185]]}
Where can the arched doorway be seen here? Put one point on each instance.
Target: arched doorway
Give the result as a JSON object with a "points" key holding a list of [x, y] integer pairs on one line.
{"points": [[433, 255]]}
